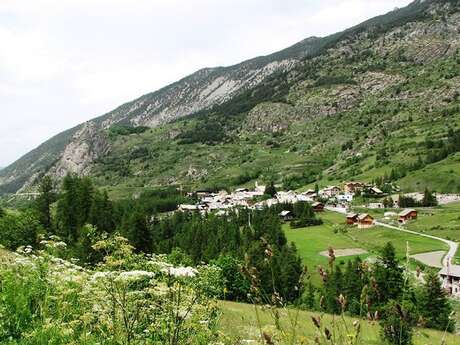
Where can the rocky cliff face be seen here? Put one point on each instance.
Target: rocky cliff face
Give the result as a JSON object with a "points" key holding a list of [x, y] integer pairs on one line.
{"points": [[75, 150], [88, 144]]}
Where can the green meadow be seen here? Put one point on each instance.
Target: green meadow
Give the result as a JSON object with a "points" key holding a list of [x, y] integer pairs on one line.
{"points": [[240, 321], [313, 240]]}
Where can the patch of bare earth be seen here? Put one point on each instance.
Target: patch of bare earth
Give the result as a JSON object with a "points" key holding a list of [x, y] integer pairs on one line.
{"points": [[345, 252], [432, 259]]}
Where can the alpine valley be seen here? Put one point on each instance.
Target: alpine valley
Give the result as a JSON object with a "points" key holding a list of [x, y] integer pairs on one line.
{"points": [[307, 197]]}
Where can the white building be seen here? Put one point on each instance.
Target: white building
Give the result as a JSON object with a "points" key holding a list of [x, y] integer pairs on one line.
{"points": [[345, 197], [450, 276], [330, 191], [286, 197]]}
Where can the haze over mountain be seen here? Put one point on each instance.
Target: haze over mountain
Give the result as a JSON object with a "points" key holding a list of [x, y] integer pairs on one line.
{"points": [[355, 84]]}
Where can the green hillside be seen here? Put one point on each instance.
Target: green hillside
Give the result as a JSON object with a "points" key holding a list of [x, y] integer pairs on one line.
{"points": [[380, 99], [375, 104]]}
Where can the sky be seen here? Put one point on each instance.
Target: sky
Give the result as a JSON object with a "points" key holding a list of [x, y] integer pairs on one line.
{"points": [[63, 62]]}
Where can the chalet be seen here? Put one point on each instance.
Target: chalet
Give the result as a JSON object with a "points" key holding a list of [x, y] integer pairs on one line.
{"points": [[318, 207], [450, 276], [407, 215], [331, 191], [353, 187], [286, 215], [352, 218], [365, 221], [375, 191]]}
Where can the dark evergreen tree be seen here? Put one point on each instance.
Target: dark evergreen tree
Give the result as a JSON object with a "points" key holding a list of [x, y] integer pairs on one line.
{"points": [[354, 281], [333, 288], [47, 196], [85, 193], [388, 275], [309, 299], [270, 189], [137, 230], [397, 324], [68, 209], [429, 199], [434, 304], [101, 214]]}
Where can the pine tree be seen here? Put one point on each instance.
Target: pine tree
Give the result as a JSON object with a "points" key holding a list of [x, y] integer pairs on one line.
{"points": [[434, 304], [333, 288], [85, 192], [353, 283], [397, 324], [101, 214], [309, 299], [46, 198], [270, 189], [68, 209], [388, 276], [137, 231], [429, 199]]}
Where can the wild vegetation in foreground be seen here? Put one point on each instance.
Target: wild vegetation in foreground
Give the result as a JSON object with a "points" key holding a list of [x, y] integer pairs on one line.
{"points": [[122, 293]]}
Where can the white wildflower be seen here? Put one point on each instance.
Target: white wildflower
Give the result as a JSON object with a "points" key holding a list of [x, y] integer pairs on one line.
{"points": [[180, 271], [135, 275], [61, 245]]}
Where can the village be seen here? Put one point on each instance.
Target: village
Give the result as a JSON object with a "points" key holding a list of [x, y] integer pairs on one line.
{"points": [[331, 198]]}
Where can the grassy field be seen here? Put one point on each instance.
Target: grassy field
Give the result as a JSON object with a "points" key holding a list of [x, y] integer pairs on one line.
{"points": [[442, 221], [313, 240], [240, 321]]}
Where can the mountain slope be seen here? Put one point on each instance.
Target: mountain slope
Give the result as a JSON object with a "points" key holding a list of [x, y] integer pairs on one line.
{"points": [[262, 107]]}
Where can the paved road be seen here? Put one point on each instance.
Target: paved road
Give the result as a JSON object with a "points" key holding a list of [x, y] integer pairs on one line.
{"points": [[446, 260]]}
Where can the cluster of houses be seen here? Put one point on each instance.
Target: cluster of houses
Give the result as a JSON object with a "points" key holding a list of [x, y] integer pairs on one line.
{"points": [[223, 201], [365, 220]]}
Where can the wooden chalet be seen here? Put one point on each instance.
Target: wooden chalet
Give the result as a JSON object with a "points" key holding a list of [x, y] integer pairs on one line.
{"points": [[352, 218], [376, 191], [318, 206], [353, 187], [407, 215], [365, 221]]}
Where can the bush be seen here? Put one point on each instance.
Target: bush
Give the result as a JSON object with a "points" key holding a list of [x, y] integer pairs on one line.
{"points": [[121, 130], [19, 229]]}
